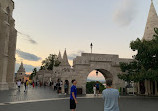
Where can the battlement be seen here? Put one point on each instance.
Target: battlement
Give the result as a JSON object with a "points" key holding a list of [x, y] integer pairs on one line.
{"points": [[86, 58]]}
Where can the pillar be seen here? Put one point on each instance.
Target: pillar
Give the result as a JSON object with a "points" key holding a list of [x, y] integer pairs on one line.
{"points": [[146, 87], [149, 87], [4, 40], [138, 86], [11, 55], [156, 90]]}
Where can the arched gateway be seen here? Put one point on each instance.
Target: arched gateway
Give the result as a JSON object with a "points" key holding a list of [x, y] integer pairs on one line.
{"points": [[107, 64]]}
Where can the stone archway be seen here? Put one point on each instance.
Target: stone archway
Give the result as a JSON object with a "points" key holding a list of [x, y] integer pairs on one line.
{"points": [[106, 74], [107, 64]]}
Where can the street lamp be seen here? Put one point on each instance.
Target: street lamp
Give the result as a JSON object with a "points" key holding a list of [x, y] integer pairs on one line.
{"points": [[91, 47], [97, 72]]}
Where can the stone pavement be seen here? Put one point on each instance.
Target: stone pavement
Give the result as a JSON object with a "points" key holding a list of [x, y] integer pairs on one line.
{"points": [[45, 99], [32, 94], [85, 104]]}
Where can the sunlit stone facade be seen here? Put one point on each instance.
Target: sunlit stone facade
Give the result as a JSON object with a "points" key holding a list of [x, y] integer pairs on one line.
{"points": [[8, 36]]}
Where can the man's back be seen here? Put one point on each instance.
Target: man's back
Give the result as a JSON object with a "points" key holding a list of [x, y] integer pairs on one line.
{"points": [[110, 97], [18, 83]]}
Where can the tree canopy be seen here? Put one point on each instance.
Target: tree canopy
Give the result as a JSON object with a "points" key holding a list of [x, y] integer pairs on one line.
{"points": [[145, 63], [33, 74], [50, 62]]}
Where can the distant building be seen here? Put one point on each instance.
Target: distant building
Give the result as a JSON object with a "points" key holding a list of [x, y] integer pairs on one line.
{"points": [[21, 74]]}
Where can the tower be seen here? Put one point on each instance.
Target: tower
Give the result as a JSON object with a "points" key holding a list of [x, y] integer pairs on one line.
{"points": [[65, 62], [21, 73], [8, 36], [152, 22], [59, 57]]}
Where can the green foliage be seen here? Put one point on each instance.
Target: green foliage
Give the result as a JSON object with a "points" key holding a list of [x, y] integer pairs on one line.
{"points": [[33, 74], [50, 62], [89, 87], [145, 64]]}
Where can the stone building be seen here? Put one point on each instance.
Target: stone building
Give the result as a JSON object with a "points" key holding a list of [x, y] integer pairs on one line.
{"points": [[8, 36], [107, 64], [21, 73]]}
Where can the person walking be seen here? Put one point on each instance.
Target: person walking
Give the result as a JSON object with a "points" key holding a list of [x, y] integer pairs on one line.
{"points": [[97, 88], [58, 87], [19, 84], [26, 84], [54, 86], [61, 84], [110, 97], [33, 84], [73, 95], [94, 90], [66, 88]]}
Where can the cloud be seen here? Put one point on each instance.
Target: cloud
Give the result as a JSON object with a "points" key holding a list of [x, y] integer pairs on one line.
{"points": [[27, 56], [28, 38], [28, 68], [126, 12], [73, 55]]}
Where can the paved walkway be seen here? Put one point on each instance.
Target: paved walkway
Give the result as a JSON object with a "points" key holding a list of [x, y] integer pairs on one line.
{"points": [[85, 104], [32, 94], [45, 99]]}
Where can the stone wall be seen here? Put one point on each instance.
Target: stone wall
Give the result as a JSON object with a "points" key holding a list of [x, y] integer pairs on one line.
{"points": [[7, 45], [107, 64]]}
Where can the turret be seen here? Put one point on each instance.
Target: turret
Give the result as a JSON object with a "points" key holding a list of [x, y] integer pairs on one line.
{"points": [[65, 60], [59, 57], [152, 22]]}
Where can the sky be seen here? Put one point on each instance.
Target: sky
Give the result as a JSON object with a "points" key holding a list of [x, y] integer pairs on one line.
{"points": [[47, 26]]}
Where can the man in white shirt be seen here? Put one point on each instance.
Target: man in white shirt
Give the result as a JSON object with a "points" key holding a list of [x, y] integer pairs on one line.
{"points": [[19, 84], [110, 96]]}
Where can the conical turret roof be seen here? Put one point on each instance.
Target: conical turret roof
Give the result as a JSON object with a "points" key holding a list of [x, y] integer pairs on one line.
{"points": [[65, 59], [152, 22], [21, 68], [59, 57]]}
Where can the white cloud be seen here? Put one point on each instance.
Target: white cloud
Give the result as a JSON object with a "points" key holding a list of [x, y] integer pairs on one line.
{"points": [[125, 12], [28, 38]]}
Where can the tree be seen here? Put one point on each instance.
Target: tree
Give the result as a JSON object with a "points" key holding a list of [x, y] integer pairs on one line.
{"points": [[33, 74], [145, 63], [50, 62]]}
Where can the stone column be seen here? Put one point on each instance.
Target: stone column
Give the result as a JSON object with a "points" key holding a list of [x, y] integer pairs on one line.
{"points": [[138, 86], [11, 55], [4, 40], [62, 87], [156, 90], [149, 87], [146, 87]]}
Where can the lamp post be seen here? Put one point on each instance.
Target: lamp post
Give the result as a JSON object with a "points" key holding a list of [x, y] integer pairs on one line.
{"points": [[96, 72], [91, 47]]}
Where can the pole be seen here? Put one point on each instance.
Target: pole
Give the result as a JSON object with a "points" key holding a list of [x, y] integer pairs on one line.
{"points": [[91, 47]]}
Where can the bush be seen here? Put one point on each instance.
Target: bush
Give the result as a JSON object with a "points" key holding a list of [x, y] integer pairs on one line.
{"points": [[89, 87]]}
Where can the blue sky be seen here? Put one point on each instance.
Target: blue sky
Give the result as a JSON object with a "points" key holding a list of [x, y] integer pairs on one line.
{"points": [[47, 26]]}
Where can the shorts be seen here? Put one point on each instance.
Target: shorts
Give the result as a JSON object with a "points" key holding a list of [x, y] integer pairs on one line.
{"points": [[97, 89], [72, 104]]}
